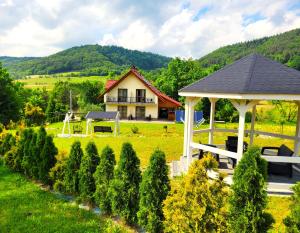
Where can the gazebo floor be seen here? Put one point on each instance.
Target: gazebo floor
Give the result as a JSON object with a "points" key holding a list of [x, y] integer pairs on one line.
{"points": [[277, 185]]}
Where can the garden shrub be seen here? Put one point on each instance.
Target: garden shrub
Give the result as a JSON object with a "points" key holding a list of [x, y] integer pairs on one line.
{"points": [[48, 159], [18, 157], [88, 166], [154, 189], [292, 222], [249, 196], [134, 129], [71, 179], [7, 143], [37, 150], [103, 176], [1, 128], [57, 172], [197, 204], [27, 160], [124, 188], [9, 157]]}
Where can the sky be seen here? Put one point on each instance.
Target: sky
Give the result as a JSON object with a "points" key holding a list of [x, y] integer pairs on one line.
{"points": [[187, 29]]}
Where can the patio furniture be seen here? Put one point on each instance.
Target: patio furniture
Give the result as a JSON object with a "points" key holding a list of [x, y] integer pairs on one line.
{"points": [[231, 145], [77, 129], [278, 168], [202, 152], [103, 129]]}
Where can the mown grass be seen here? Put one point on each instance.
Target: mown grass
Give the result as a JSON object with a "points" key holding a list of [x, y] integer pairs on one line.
{"points": [[48, 81], [24, 207]]}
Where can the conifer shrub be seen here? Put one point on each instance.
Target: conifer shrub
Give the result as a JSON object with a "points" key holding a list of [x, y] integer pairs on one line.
{"points": [[292, 222], [71, 179], [7, 143], [18, 157], [88, 165], [37, 150], [103, 176], [57, 173], [9, 157], [196, 203], [124, 188], [48, 159], [34, 157], [249, 196], [154, 189], [27, 158]]}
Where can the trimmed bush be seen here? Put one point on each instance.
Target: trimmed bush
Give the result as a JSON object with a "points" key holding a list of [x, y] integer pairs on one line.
{"points": [[124, 188], [249, 197], [18, 157], [27, 160], [154, 189], [134, 129], [88, 166], [57, 172], [292, 222], [103, 176], [197, 204], [37, 150], [9, 157], [71, 179], [7, 143]]}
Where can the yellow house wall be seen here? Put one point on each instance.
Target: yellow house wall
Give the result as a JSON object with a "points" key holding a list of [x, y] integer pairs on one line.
{"points": [[149, 109]]}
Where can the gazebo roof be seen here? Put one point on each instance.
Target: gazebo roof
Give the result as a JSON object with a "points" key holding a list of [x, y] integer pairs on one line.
{"points": [[101, 115], [253, 74]]}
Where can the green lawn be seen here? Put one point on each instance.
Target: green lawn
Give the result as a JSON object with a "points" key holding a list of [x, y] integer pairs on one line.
{"points": [[24, 207], [48, 81]]}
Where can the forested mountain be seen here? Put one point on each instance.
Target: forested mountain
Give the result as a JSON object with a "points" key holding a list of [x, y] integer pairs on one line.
{"points": [[284, 48], [91, 59]]}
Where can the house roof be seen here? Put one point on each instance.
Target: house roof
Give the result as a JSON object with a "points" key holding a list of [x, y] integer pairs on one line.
{"points": [[109, 83], [161, 96], [101, 115], [253, 74]]}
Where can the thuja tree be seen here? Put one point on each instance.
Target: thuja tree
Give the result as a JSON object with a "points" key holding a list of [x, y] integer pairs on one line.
{"points": [[37, 150], [27, 159], [88, 166], [71, 179], [103, 176], [48, 159], [124, 188], [8, 142], [249, 197], [18, 158], [197, 204], [154, 189], [292, 222], [57, 173]]}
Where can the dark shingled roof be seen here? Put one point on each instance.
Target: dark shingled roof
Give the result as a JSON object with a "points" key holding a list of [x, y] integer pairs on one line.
{"points": [[253, 74], [101, 115]]}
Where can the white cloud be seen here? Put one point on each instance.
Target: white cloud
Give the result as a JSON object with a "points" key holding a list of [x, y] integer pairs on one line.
{"points": [[171, 27]]}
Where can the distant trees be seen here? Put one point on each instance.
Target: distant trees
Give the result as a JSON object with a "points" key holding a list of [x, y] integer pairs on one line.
{"points": [[249, 197], [292, 222], [124, 188], [154, 189]]}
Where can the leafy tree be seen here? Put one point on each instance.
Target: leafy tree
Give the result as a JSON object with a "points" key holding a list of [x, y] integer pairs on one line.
{"points": [[88, 166], [249, 197], [154, 189], [71, 179], [124, 188], [103, 177], [292, 222], [48, 159], [34, 115], [197, 204]]}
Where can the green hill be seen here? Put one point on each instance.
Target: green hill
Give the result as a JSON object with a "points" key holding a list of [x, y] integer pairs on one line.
{"points": [[284, 48], [90, 59]]}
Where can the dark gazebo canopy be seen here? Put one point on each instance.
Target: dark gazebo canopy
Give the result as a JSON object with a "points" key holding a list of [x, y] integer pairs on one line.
{"points": [[101, 115]]}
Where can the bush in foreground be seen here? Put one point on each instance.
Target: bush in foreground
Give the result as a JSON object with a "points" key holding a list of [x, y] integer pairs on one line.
{"points": [[154, 189], [57, 173], [292, 222], [197, 204], [124, 188], [103, 176], [249, 197]]}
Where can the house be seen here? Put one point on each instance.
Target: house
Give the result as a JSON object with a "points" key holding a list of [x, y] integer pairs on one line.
{"points": [[134, 97]]}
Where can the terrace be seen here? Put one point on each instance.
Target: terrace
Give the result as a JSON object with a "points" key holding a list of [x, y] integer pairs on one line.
{"points": [[130, 100]]}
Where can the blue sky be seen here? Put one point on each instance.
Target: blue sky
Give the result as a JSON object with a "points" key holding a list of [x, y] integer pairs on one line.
{"points": [[170, 27]]}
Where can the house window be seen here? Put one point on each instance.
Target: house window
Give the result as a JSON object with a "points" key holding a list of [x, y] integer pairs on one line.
{"points": [[122, 95], [140, 112], [123, 111], [140, 95]]}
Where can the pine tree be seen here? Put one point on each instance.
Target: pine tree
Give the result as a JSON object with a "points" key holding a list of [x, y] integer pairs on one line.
{"points": [[27, 158], [124, 189], [71, 180], [154, 189], [88, 166], [48, 159], [249, 197], [103, 176]]}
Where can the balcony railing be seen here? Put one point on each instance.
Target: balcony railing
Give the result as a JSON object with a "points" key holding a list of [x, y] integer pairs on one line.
{"points": [[121, 99]]}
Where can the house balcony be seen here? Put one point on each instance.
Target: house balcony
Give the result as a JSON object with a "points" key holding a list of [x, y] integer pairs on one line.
{"points": [[130, 100]]}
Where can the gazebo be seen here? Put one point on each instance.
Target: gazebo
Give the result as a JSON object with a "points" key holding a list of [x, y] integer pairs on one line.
{"points": [[245, 83]]}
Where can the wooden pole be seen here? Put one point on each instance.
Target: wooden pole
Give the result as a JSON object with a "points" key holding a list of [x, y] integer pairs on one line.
{"points": [[297, 134], [253, 117], [212, 120]]}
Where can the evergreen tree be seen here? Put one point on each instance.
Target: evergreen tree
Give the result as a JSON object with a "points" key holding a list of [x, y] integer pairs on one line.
{"points": [[249, 197], [197, 204], [154, 189], [48, 159], [18, 158], [292, 222], [57, 173], [34, 157], [71, 179], [103, 176], [8, 142], [88, 165], [124, 189], [37, 150], [27, 159]]}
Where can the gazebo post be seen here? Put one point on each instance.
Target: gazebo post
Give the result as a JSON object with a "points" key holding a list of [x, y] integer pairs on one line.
{"points": [[297, 135], [212, 120], [188, 129], [253, 117]]}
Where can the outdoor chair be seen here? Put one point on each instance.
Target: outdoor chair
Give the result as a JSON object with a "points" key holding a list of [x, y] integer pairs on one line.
{"points": [[231, 145], [278, 168]]}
